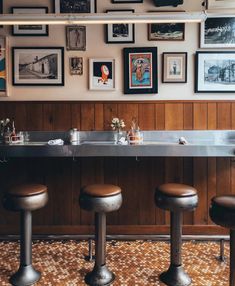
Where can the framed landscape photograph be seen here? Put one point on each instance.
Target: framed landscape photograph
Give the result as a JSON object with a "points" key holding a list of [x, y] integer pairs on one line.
{"points": [[140, 70], [215, 71], [75, 6], [218, 32], [174, 67], [76, 65], [29, 30], [76, 38], [3, 66], [127, 1], [120, 33], [38, 66], [166, 32], [102, 74]]}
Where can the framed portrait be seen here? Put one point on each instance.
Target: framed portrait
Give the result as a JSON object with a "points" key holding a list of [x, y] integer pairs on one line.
{"points": [[76, 38], [166, 32], [102, 74], [29, 30], [140, 70], [38, 66], [127, 1], [218, 32], [174, 67], [215, 71], [3, 66], [76, 65], [120, 33], [220, 4], [75, 6]]}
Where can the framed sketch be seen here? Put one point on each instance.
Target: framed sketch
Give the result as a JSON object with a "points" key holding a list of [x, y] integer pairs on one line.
{"points": [[75, 6], [215, 71], [166, 32], [29, 30], [174, 67], [102, 74], [120, 33], [38, 66], [140, 70], [76, 38], [3, 66], [220, 4], [127, 1], [218, 32], [76, 65]]}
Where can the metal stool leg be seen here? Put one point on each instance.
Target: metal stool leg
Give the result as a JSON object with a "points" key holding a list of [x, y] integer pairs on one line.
{"points": [[26, 274], [100, 275], [221, 257], [175, 275], [90, 257], [232, 258]]}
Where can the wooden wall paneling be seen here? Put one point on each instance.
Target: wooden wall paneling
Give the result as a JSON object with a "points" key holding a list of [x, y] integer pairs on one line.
{"points": [[223, 174], [127, 112], [160, 116], [212, 115], [76, 115], [188, 116], [188, 179], [212, 184], [224, 115], [76, 187], [34, 117], [146, 116], [62, 116], [87, 116], [110, 111], [48, 117], [174, 113], [200, 116], [233, 115], [3, 110], [232, 176], [17, 112], [99, 116]]}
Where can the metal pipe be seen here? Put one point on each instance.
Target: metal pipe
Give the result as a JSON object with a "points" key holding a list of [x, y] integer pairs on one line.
{"points": [[100, 238], [26, 238], [176, 240]]}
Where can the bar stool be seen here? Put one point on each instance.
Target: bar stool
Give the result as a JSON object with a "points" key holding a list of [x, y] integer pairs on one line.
{"points": [[25, 199], [222, 212], [100, 199], [176, 198]]}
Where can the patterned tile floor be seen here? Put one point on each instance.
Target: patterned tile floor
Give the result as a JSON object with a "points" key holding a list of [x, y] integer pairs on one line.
{"points": [[134, 263]]}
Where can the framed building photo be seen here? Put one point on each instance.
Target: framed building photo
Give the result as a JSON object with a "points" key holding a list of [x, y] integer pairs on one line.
{"points": [[38, 65], [166, 32], [127, 1], [215, 71], [174, 67], [102, 74], [3, 66], [218, 32], [75, 6], [76, 38], [29, 30], [140, 70], [76, 65], [120, 33]]}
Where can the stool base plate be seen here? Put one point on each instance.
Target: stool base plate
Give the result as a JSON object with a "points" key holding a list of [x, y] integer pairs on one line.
{"points": [[99, 276], [175, 276], [25, 276]]}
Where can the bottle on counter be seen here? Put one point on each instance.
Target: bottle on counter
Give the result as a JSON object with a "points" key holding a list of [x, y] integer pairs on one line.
{"points": [[74, 137], [13, 133]]}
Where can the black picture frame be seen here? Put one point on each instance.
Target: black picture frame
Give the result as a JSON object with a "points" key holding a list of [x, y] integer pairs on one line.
{"points": [[127, 1], [1, 10], [29, 30], [46, 64], [140, 70], [156, 31], [129, 30], [215, 72], [64, 6]]}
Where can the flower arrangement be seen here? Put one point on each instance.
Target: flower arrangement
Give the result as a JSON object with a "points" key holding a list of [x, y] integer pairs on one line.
{"points": [[117, 124], [3, 125]]}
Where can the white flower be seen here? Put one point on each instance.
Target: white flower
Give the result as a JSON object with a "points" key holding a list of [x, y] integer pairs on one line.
{"points": [[117, 123]]}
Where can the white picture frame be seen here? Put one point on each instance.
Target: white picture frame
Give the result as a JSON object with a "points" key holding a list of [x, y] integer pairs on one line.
{"points": [[220, 4], [4, 57]]}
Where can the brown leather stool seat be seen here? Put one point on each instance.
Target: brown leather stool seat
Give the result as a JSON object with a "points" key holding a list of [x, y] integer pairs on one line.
{"points": [[176, 198], [25, 198], [222, 212], [100, 199]]}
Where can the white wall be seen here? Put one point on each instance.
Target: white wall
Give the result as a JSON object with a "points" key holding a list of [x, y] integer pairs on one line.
{"points": [[76, 87]]}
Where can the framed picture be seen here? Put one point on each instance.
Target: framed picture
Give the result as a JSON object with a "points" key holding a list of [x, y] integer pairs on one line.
{"points": [[166, 32], [29, 30], [217, 32], [38, 66], [127, 1], [76, 38], [215, 71], [140, 70], [120, 33], [75, 6], [102, 74], [76, 65], [174, 67], [220, 4], [3, 66]]}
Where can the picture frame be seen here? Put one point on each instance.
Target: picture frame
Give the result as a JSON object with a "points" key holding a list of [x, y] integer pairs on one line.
{"points": [[174, 67], [140, 70], [76, 65], [102, 74], [76, 38], [166, 32], [127, 1], [1, 10], [215, 72], [217, 32], [30, 30], [38, 66], [4, 48], [120, 33], [77, 6], [220, 4]]}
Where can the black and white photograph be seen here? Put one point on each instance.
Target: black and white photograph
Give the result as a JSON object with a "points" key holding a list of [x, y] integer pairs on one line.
{"points": [[215, 72], [76, 66], [218, 32], [76, 38], [38, 65], [166, 32], [29, 30], [75, 6], [120, 33], [127, 1]]}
